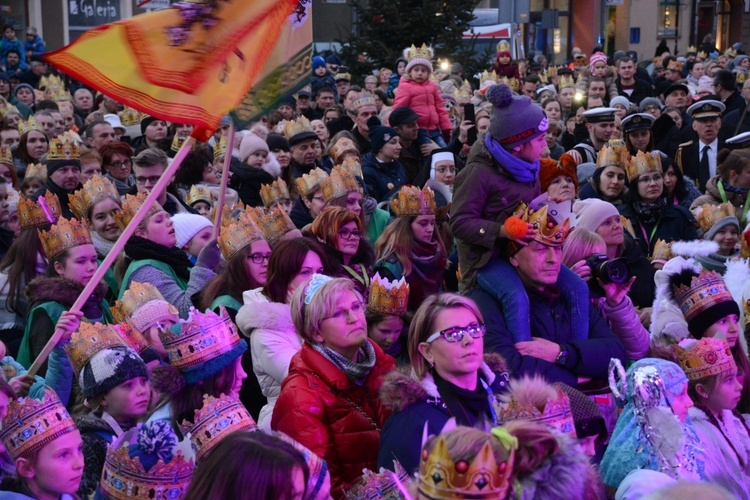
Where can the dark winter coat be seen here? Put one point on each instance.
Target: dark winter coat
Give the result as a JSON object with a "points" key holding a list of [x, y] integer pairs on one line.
{"points": [[247, 181], [96, 434], [643, 290], [641, 91], [317, 408], [382, 179], [676, 223], [300, 214]]}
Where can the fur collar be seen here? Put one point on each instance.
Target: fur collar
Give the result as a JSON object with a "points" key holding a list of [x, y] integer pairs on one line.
{"points": [[440, 188], [399, 390], [259, 312], [59, 289], [272, 166]]}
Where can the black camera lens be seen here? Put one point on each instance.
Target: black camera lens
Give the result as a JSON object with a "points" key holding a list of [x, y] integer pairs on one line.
{"points": [[613, 271]]}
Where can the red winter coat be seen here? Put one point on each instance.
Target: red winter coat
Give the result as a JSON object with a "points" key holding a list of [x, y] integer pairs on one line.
{"points": [[313, 410], [424, 99]]}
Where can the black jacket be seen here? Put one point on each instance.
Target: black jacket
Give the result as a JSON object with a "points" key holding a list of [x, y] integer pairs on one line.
{"points": [[676, 223], [689, 159], [641, 91]]}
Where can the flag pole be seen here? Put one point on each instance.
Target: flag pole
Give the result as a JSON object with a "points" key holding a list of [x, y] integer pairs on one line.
{"points": [[160, 187], [224, 181]]}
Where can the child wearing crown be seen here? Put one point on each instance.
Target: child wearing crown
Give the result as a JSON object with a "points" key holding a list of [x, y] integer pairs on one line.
{"points": [[423, 96]]}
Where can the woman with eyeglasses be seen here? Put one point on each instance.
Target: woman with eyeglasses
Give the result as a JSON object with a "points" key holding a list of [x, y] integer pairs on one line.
{"points": [[266, 319], [117, 164], [449, 379], [329, 401]]}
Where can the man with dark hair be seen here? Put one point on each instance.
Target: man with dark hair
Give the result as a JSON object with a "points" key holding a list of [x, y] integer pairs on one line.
{"points": [[325, 98], [149, 166], [345, 122], [628, 85], [404, 121], [98, 134], [530, 84], [725, 87]]}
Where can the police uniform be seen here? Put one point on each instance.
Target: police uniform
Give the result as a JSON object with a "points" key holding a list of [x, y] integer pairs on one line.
{"points": [[596, 115], [689, 154]]}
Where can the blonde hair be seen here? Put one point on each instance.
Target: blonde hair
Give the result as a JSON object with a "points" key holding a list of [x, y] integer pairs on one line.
{"points": [[423, 324], [398, 239], [308, 317], [579, 245]]}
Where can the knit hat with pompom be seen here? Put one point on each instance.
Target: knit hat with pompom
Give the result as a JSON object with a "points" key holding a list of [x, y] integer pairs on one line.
{"points": [[515, 119]]}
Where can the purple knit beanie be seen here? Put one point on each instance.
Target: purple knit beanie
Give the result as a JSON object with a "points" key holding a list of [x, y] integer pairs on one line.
{"points": [[515, 119]]}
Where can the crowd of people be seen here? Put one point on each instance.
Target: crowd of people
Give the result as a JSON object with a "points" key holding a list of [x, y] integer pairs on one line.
{"points": [[533, 287]]}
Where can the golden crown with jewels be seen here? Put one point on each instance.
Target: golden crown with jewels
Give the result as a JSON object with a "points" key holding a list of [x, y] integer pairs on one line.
{"points": [[296, 127], [662, 251], [707, 215], [274, 222], [642, 164], [46, 210], [705, 290], [93, 191], [423, 52], [704, 358], [89, 339], [6, 156], [199, 193], [220, 147], [275, 192], [36, 171], [556, 413], [310, 183], [64, 147], [25, 127], [133, 299], [215, 420], [130, 116], [612, 156], [548, 233], [342, 146], [411, 201], [130, 207], [31, 424], [341, 182], [236, 234], [388, 297], [63, 236]]}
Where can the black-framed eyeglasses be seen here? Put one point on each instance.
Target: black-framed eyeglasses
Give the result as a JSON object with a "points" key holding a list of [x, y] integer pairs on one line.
{"points": [[456, 333], [147, 180], [259, 258], [120, 164], [347, 234]]}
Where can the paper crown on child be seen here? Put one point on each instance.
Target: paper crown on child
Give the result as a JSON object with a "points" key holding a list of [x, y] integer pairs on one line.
{"points": [[662, 251], [533, 399], [705, 357], [708, 215], [274, 222], [6, 108], [215, 420], [642, 164], [236, 234], [46, 210], [411, 201], [274, 193], [423, 52], [510, 82], [343, 145], [612, 155], [57, 94], [63, 236], [88, 340], [134, 299], [503, 46], [199, 193], [63, 148], [47, 82], [202, 345], [388, 297], [132, 337], [31, 424], [131, 206], [464, 91], [548, 233], [220, 147], [341, 182], [703, 298], [382, 485], [36, 171], [487, 78], [129, 117], [93, 191], [148, 463], [29, 125], [310, 183]]}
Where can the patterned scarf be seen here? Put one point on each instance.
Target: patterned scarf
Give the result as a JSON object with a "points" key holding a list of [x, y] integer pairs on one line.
{"points": [[650, 213], [355, 370]]}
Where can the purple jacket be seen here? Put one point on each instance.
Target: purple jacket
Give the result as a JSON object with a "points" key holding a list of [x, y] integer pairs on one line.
{"points": [[624, 322]]}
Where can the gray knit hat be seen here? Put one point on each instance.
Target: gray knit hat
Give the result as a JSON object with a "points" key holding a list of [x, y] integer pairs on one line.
{"points": [[109, 368], [515, 119]]}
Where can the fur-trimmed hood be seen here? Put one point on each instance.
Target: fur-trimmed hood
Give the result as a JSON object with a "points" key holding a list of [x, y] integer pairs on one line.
{"points": [[59, 289], [259, 312], [399, 390]]}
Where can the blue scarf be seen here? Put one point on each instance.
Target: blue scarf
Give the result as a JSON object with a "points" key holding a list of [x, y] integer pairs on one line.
{"points": [[520, 170]]}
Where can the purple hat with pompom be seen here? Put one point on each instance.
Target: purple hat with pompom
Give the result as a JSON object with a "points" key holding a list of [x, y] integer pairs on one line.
{"points": [[515, 119]]}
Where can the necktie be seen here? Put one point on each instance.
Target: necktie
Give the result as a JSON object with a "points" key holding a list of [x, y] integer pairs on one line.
{"points": [[704, 170]]}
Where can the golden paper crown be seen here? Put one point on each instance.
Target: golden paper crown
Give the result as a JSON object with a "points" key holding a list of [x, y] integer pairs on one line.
{"points": [[691, 48], [503, 46], [547, 232], [130, 207], [135, 297], [131, 337], [730, 52], [236, 234], [615, 156], [708, 215], [342, 146], [705, 291], [510, 82], [202, 337], [411, 201], [29, 125], [702, 54], [296, 127], [552, 71], [675, 65], [662, 251], [274, 222], [463, 92], [177, 142], [6, 156], [557, 413], [217, 418], [740, 77], [36, 171], [7, 108], [340, 183], [63, 236], [51, 82], [31, 424], [365, 100], [199, 193], [129, 117], [275, 192], [88, 340], [704, 358], [440, 477], [63, 147], [487, 77], [627, 225], [641, 164], [125, 478], [310, 183], [220, 147], [93, 191], [57, 94], [388, 297], [567, 81], [343, 76], [423, 52], [46, 210]]}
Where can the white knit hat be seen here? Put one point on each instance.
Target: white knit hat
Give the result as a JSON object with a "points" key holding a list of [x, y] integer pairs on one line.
{"points": [[250, 144], [188, 225]]}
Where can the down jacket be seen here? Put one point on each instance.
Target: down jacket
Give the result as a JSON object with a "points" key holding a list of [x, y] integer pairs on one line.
{"points": [[324, 410], [273, 343], [424, 99], [625, 323]]}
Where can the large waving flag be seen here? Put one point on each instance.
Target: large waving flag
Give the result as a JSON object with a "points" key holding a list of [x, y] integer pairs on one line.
{"points": [[191, 63]]}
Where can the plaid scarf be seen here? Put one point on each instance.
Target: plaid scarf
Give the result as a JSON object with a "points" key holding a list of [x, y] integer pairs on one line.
{"points": [[355, 370]]}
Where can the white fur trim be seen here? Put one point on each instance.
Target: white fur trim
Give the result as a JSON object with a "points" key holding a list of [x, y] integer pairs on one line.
{"points": [[694, 248]]}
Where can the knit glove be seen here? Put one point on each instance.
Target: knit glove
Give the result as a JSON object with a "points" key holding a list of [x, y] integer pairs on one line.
{"points": [[210, 256]]}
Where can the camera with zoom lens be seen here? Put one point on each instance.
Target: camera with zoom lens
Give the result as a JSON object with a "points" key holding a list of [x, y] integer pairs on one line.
{"points": [[608, 270]]}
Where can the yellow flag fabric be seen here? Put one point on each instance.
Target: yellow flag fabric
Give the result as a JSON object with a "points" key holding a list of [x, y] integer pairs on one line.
{"points": [[191, 63]]}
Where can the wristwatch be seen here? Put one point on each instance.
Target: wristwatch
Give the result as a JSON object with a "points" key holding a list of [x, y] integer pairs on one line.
{"points": [[562, 358]]}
